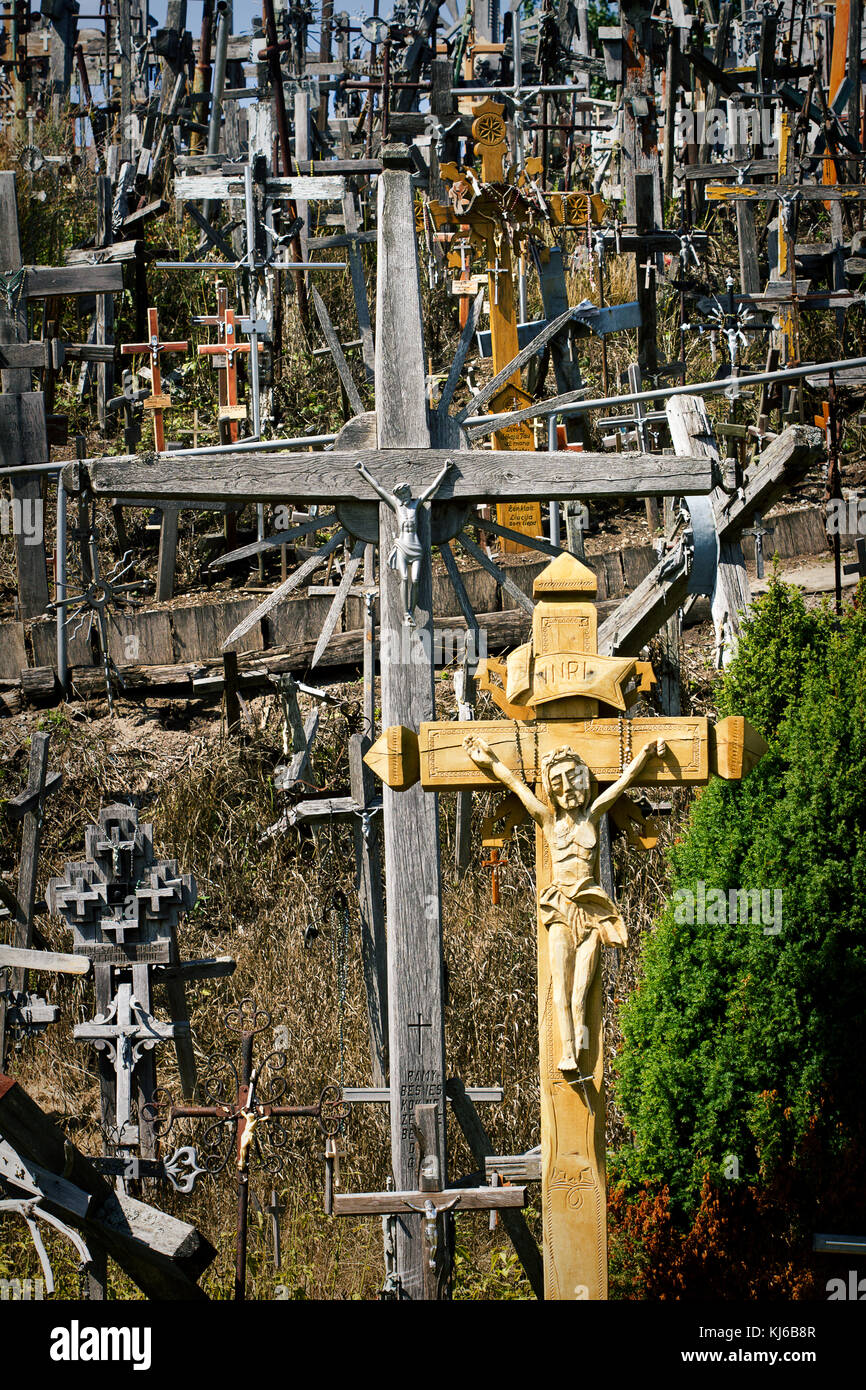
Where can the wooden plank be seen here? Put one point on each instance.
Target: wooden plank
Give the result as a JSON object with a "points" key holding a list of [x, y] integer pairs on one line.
{"points": [[13, 651], [460, 590], [489, 390], [692, 432], [244, 552], [294, 581], [345, 373], [42, 282], [460, 1199], [639, 616], [340, 596], [332, 477], [199, 632], [525, 1244], [207, 187], [162, 1255], [504, 630], [30, 356], [465, 343], [22, 426], [411, 823], [359, 282], [371, 905], [502, 579], [54, 961]]}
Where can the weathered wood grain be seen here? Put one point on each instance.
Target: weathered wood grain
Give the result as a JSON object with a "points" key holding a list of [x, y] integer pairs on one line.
{"points": [[411, 824], [294, 581], [502, 579], [465, 343], [54, 961], [514, 1222], [359, 283], [490, 388], [665, 588], [162, 1255], [43, 282], [343, 368], [23, 440], [339, 600], [371, 904], [332, 477], [458, 1199]]}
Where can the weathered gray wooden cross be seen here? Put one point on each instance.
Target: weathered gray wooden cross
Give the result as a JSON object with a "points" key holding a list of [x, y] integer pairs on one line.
{"points": [[402, 445]]}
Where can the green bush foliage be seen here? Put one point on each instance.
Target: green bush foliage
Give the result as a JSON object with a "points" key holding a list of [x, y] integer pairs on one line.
{"points": [[741, 1044]]}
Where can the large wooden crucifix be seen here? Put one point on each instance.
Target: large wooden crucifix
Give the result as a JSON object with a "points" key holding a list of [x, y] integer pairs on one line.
{"points": [[402, 445], [567, 754]]}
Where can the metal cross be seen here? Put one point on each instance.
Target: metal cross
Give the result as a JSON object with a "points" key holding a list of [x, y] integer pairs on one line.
{"points": [[246, 1115], [759, 531]]}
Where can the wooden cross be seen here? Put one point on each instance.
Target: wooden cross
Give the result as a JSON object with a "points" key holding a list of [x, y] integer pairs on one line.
{"points": [[485, 218], [230, 410], [568, 734], [430, 1199], [157, 401], [29, 807]]}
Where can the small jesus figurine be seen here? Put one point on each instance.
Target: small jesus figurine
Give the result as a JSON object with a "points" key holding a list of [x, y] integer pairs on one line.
{"points": [[575, 909], [406, 552]]}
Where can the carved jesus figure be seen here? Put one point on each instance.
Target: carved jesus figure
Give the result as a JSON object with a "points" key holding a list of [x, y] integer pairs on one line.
{"points": [[575, 909], [406, 552]]}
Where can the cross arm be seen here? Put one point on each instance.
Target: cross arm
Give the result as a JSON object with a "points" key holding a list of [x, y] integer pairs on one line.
{"points": [[409, 1203], [803, 192], [332, 477], [695, 748]]}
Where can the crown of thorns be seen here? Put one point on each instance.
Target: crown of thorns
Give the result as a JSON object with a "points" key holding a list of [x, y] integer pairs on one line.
{"points": [[563, 754]]}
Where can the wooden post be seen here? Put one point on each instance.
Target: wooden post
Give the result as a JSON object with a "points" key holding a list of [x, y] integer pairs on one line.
{"points": [[302, 152], [647, 333], [28, 868], [692, 433], [27, 442], [371, 905], [669, 664], [124, 36], [640, 134], [104, 302], [671, 92], [359, 282], [415, 1003]]}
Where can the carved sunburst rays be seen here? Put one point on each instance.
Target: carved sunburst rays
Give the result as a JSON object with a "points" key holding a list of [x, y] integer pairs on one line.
{"points": [[99, 594]]}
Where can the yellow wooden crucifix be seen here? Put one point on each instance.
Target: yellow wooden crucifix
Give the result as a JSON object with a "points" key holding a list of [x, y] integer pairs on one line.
{"points": [[566, 756]]}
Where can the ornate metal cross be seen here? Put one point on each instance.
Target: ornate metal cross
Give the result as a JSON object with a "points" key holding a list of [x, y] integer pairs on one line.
{"points": [[246, 1112]]}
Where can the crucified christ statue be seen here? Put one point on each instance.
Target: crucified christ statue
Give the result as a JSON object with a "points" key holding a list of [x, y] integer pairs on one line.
{"points": [[575, 909], [407, 552]]}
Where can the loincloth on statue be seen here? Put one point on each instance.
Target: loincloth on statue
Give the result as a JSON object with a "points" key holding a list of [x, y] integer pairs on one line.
{"points": [[583, 909], [408, 550]]}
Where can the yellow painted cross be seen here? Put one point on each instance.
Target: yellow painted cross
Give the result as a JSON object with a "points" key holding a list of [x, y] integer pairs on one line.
{"points": [[566, 757]]}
